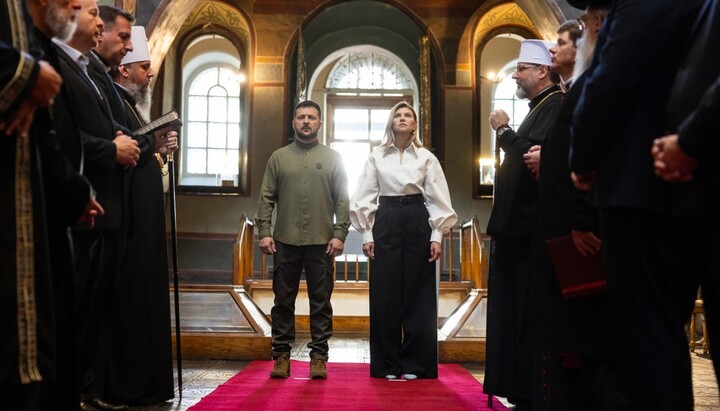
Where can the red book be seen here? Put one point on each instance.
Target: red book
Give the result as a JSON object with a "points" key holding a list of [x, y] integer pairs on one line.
{"points": [[577, 276]]}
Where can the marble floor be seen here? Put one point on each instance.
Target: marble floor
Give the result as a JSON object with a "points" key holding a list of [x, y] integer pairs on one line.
{"points": [[200, 378]]}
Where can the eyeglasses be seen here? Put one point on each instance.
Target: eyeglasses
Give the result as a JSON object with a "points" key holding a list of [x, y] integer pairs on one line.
{"points": [[581, 21], [520, 69]]}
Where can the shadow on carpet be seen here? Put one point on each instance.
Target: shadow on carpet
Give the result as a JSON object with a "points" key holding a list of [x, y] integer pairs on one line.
{"points": [[348, 387]]}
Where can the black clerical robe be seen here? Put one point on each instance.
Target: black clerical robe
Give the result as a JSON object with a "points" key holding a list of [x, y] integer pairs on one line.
{"points": [[509, 363], [135, 364], [41, 193]]}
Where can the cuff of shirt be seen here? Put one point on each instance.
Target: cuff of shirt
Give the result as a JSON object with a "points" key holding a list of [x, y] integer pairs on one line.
{"points": [[340, 235], [264, 232], [367, 237], [436, 236]]}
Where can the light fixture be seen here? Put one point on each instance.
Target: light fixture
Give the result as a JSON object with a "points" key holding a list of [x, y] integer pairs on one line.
{"points": [[487, 170], [493, 77]]}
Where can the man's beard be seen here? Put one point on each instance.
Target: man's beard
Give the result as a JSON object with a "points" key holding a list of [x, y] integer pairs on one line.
{"points": [[143, 99], [521, 93], [306, 138], [583, 58], [63, 26]]}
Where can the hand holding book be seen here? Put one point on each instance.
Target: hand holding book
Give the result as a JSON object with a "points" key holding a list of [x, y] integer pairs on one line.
{"points": [[586, 242], [577, 275], [170, 121]]}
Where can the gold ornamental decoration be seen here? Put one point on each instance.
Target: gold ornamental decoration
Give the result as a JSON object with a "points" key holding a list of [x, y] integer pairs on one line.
{"points": [[425, 117]]}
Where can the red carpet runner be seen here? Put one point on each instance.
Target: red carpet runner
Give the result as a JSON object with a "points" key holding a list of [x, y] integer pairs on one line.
{"points": [[348, 387]]}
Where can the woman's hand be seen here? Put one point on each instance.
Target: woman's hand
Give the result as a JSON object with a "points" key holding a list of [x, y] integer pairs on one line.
{"points": [[435, 251], [369, 249]]}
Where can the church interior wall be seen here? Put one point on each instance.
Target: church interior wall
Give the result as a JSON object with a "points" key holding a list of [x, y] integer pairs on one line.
{"points": [[273, 27]]}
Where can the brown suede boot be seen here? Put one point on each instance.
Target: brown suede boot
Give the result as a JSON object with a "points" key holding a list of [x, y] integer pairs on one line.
{"points": [[317, 369], [281, 369]]}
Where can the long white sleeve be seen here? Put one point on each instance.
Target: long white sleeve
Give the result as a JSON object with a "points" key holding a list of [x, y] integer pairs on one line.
{"points": [[437, 200], [364, 203], [388, 173]]}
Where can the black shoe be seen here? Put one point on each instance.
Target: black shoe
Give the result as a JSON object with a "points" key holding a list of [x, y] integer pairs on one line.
{"points": [[98, 403], [85, 406], [522, 405]]}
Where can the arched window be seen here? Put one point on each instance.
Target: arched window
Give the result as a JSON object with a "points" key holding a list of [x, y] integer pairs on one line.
{"points": [[213, 145], [495, 59], [213, 124], [368, 71], [504, 97]]}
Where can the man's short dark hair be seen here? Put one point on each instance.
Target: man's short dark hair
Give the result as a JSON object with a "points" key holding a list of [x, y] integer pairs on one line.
{"points": [[308, 103], [574, 29], [109, 15]]}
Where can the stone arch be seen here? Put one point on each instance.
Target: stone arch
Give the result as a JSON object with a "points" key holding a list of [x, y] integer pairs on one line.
{"points": [[490, 18], [390, 25], [173, 17], [526, 19]]}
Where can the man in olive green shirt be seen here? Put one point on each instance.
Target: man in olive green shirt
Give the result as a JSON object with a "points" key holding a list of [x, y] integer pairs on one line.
{"points": [[305, 182]]}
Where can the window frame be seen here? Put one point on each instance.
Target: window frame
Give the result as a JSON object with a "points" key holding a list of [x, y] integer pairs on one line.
{"points": [[186, 97], [506, 75], [480, 127], [365, 102], [181, 97], [358, 57]]}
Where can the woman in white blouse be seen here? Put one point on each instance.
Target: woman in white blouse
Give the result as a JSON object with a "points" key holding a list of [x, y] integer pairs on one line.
{"points": [[402, 209]]}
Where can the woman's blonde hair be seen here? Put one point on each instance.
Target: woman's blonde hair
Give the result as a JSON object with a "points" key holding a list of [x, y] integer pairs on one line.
{"points": [[389, 137]]}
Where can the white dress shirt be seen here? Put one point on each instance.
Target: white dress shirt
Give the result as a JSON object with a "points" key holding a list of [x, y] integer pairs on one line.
{"points": [[390, 173]]}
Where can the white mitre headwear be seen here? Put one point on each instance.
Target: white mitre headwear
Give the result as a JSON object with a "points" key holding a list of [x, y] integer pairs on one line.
{"points": [[141, 51], [535, 52]]}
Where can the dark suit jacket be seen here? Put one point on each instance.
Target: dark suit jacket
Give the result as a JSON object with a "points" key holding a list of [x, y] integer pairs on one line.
{"points": [[515, 196], [693, 110], [67, 191], [580, 326], [622, 107], [96, 125]]}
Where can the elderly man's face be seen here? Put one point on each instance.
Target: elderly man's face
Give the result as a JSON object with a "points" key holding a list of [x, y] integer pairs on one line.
{"points": [[60, 17], [116, 41], [527, 78], [593, 22], [140, 73], [138, 77]]}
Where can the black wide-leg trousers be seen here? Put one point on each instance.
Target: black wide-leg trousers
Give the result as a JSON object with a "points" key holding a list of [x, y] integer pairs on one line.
{"points": [[289, 261], [403, 293]]}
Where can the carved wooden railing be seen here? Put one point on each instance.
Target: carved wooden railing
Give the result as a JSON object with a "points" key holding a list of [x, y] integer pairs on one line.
{"points": [[351, 268], [243, 251], [355, 267], [472, 246]]}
